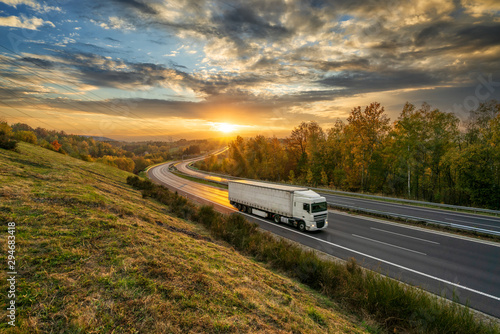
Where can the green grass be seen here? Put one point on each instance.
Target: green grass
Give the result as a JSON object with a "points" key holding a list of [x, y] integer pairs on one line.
{"points": [[95, 255]]}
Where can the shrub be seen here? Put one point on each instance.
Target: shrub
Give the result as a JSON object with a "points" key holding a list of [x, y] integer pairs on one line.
{"points": [[5, 141], [26, 136], [177, 204]]}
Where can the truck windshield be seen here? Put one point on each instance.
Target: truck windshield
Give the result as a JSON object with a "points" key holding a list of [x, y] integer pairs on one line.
{"points": [[318, 207]]}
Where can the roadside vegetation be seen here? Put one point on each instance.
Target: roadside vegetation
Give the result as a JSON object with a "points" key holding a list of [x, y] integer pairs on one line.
{"points": [[426, 154], [94, 255], [395, 306]]}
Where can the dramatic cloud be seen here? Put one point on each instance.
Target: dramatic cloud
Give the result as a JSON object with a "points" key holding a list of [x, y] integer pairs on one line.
{"points": [[42, 8], [251, 62], [23, 22]]}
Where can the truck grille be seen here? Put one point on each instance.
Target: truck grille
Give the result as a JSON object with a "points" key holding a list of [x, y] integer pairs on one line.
{"points": [[320, 224], [321, 217]]}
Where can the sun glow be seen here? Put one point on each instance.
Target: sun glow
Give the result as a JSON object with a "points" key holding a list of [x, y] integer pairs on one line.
{"points": [[225, 127]]}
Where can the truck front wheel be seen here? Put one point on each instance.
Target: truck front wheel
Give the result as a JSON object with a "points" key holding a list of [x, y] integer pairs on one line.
{"points": [[302, 226]]}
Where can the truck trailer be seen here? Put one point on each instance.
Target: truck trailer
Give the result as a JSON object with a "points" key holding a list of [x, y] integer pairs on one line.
{"points": [[296, 206]]}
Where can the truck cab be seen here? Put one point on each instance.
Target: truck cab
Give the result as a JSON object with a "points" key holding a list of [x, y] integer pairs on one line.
{"points": [[310, 208]]}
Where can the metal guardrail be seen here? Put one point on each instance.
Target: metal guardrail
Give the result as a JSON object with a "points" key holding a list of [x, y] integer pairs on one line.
{"points": [[174, 169], [417, 219], [411, 201], [402, 200]]}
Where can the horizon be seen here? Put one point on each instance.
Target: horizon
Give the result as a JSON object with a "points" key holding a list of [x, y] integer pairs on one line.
{"points": [[133, 70]]}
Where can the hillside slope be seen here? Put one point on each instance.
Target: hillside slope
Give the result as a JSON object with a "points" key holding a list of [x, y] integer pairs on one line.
{"points": [[93, 256]]}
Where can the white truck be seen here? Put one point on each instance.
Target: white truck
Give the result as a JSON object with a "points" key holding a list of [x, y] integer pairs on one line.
{"points": [[296, 206]]}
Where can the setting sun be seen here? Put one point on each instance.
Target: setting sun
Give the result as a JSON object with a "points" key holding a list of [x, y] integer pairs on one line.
{"points": [[225, 127]]}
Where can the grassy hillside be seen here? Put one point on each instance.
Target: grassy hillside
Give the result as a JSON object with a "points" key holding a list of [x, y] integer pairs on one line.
{"points": [[93, 256]]}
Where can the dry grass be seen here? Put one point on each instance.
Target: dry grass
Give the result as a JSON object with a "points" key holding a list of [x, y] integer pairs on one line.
{"points": [[93, 256]]}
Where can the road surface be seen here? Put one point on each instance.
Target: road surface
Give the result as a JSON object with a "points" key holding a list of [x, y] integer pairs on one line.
{"points": [[491, 223], [438, 262]]}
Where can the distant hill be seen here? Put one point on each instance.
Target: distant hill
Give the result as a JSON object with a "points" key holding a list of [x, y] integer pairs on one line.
{"points": [[93, 256], [98, 138]]}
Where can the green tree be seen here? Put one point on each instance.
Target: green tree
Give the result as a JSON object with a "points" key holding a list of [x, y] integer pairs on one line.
{"points": [[442, 136], [334, 154], [277, 159], [237, 154], [309, 177], [476, 167], [304, 147], [107, 160], [366, 130], [324, 178], [5, 128], [409, 136], [125, 164], [5, 137], [26, 136]]}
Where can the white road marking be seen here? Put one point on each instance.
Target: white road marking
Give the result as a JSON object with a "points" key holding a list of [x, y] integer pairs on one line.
{"points": [[384, 261], [369, 256], [407, 236], [385, 243], [421, 229]]}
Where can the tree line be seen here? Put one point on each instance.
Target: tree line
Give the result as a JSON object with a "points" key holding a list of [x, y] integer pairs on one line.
{"points": [[425, 154], [128, 156]]}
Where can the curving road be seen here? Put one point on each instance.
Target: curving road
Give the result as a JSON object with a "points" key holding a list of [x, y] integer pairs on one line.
{"points": [[438, 262]]}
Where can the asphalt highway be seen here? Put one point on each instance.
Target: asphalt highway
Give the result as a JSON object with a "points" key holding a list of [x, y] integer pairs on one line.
{"points": [[486, 222], [441, 263], [480, 221]]}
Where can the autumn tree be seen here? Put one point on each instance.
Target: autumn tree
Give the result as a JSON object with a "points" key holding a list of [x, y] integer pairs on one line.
{"points": [[410, 133], [366, 130], [237, 154], [478, 163], [334, 155], [296, 146], [305, 146], [277, 159], [5, 137], [443, 133], [26, 136], [125, 164], [55, 145]]}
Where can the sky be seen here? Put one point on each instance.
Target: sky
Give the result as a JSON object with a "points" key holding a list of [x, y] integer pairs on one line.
{"points": [[163, 70]]}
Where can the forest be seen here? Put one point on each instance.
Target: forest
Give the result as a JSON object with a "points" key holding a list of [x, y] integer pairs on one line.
{"points": [[425, 154], [129, 156]]}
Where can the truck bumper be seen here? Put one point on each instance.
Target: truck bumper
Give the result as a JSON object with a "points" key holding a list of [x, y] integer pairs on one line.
{"points": [[313, 227]]}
